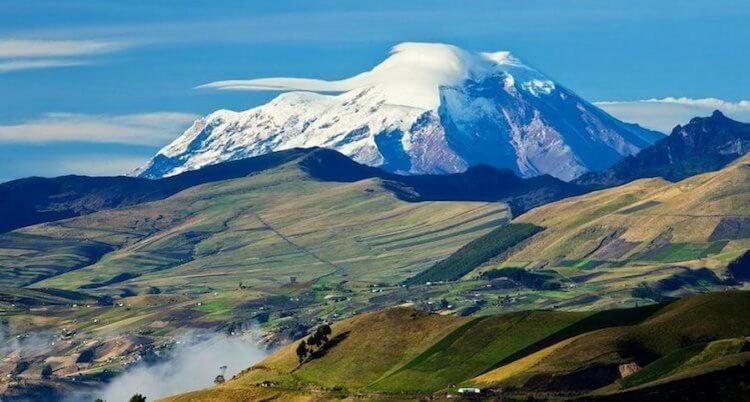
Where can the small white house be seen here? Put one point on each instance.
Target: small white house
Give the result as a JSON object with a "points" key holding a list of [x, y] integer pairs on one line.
{"points": [[469, 391]]}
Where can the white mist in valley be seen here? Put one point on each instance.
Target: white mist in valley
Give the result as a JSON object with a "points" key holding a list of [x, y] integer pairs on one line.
{"points": [[192, 366]]}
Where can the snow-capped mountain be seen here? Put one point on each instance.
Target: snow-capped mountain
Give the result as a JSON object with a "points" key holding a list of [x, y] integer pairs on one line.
{"points": [[427, 108]]}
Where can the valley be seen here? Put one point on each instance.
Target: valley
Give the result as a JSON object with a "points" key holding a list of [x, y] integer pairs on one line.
{"points": [[279, 249], [286, 250]]}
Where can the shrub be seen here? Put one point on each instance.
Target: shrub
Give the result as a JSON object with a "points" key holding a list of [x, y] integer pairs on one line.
{"points": [[47, 372]]}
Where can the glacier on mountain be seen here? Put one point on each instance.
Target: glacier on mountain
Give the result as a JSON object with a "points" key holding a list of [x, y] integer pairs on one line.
{"points": [[427, 108]]}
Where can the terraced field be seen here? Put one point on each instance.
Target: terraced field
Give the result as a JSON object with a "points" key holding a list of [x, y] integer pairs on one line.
{"points": [[649, 220], [260, 230], [30, 258], [677, 238]]}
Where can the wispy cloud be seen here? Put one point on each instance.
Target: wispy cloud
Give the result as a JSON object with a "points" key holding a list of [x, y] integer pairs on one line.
{"points": [[146, 128], [664, 114], [29, 48], [410, 75], [27, 54], [15, 65]]}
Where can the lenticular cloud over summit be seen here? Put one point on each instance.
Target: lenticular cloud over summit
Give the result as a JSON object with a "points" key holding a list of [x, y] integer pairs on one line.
{"points": [[411, 76], [427, 108]]}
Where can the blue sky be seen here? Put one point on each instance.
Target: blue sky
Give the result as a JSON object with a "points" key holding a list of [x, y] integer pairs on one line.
{"points": [[96, 87]]}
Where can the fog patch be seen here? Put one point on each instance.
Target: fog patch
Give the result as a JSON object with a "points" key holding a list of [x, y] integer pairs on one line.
{"points": [[26, 345], [193, 364]]}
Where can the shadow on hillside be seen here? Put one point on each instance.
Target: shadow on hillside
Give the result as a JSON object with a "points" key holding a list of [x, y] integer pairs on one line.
{"points": [[329, 345]]}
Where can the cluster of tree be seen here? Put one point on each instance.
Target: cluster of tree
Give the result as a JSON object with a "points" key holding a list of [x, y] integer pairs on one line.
{"points": [[531, 280], [740, 268], [476, 253], [643, 291], [317, 341], [105, 300], [701, 277]]}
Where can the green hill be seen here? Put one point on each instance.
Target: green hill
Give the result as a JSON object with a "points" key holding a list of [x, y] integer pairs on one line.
{"points": [[413, 354], [289, 250], [647, 221], [662, 344], [649, 240], [278, 247], [261, 230]]}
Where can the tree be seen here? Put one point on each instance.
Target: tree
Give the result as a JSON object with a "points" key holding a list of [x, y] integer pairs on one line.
{"points": [[302, 351], [324, 331], [47, 372], [315, 339], [137, 398], [105, 300]]}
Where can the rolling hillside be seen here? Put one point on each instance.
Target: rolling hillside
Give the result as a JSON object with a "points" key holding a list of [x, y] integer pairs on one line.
{"points": [[260, 230], [279, 247], [36, 200], [293, 239], [648, 220], [412, 354], [649, 239]]}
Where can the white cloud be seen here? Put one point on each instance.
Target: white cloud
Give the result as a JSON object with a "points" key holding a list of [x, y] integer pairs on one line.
{"points": [[15, 65], [26, 54], [664, 114], [146, 128], [24, 48], [411, 75]]}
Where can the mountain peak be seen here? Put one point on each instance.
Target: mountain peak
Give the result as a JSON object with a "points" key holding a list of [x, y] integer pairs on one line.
{"points": [[704, 144], [715, 120], [426, 108], [410, 76]]}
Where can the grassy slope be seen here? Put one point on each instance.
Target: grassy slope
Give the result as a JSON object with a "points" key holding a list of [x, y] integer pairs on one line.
{"points": [[475, 350], [608, 242], [373, 345], [690, 210], [232, 394], [43, 296], [260, 230], [404, 351], [676, 326], [36, 200]]}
